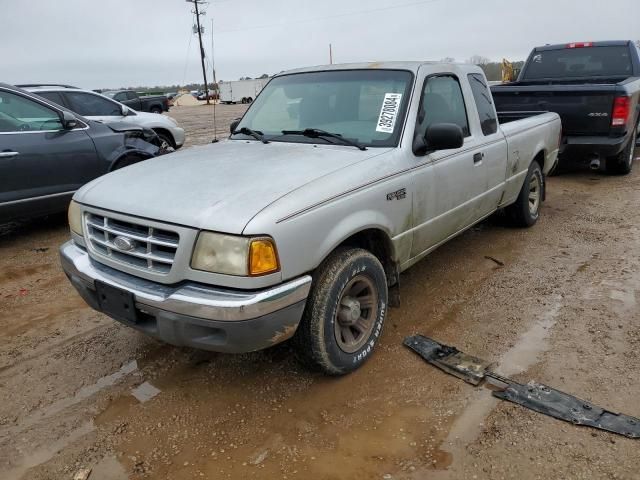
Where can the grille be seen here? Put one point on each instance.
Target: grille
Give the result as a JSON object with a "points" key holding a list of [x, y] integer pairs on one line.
{"points": [[152, 249]]}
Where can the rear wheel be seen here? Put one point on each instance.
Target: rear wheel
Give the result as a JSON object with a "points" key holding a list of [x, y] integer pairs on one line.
{"points": [[345, 312], [156, 110], [622, 163], [526, 210]]}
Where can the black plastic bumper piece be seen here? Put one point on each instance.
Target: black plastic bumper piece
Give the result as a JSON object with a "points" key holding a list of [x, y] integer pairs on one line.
{"points": [[549, 401], [534, 396]]}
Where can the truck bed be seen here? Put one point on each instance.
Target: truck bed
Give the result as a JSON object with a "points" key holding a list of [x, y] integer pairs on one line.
{"points": [[585, 109]]}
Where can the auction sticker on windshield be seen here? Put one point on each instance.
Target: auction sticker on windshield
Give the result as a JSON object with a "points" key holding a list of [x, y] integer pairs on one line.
{"points": [[389, 112]]}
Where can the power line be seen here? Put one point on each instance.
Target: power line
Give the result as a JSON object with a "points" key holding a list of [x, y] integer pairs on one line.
{"points": [[328, 17]]}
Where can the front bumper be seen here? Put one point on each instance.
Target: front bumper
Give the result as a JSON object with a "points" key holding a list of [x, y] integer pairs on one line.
{"points": [[196, 315], [178, 136]]}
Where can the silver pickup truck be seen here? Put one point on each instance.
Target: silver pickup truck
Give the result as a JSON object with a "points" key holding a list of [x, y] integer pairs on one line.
{"points": [[336, 180]]}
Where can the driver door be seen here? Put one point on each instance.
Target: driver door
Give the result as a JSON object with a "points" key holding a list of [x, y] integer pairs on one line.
{"points": [[41, 163]]}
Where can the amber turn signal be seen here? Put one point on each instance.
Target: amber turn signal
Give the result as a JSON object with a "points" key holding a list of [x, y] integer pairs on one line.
{"points": [[263, 258]]}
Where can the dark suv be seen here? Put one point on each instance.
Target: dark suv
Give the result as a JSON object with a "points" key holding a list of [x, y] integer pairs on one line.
{"points": [[47, 153]]}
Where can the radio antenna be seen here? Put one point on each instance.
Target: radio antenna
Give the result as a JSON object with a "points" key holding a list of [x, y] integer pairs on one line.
{"points": [[216, 90]]}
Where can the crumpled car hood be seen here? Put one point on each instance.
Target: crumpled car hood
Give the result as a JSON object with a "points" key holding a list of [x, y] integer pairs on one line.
{"points": [[218, 187]]}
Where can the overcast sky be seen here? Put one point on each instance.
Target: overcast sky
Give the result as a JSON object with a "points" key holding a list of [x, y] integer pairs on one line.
{"points": [[114, 43]]}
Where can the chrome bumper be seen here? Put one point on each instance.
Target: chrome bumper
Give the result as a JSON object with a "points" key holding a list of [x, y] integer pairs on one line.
{"points": [[192, 300]]}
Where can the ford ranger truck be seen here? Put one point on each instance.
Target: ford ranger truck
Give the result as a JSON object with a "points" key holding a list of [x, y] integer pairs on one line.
{"points": [[595, 88], [335, 180]]}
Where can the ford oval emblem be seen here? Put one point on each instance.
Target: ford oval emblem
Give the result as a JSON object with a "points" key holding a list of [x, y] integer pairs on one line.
{"points": [[124, 244]]}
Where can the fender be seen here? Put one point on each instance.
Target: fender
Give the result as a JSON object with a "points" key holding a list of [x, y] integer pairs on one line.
{"points": [[132, 146], [352, 225]]}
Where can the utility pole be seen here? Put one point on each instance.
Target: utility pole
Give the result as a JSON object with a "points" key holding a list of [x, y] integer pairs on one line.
{"points": [[204, 70], [330, 55]]}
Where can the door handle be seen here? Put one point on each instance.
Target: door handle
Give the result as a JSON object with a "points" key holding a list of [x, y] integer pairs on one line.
{"points": [[477, 158], [7, 154]]}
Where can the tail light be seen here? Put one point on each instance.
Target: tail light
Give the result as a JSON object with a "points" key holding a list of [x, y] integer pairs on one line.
{"points": [[621, 111], [580, 45]]}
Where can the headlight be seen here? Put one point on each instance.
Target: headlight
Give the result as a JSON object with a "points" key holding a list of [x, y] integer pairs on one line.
{"points": [[232, 255], [75, 218]]}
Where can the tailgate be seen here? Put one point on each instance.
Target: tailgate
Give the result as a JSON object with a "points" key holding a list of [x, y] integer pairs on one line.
{"points": [[583, 111]]}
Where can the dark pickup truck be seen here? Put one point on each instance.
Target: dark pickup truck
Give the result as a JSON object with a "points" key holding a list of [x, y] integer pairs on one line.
{"points": [[595, 88], [147, 103]]}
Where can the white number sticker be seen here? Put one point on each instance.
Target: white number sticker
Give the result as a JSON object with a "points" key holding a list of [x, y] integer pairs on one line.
{"points": [[389, 112]]}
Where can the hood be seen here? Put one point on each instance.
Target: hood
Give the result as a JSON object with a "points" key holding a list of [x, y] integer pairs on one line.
{"points": [[217, 187]]}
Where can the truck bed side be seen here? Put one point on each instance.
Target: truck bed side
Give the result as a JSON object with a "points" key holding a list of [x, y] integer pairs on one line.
{"points": [[534, 137]]}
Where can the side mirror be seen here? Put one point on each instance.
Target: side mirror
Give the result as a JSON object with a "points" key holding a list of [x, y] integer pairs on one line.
{"points": [[234, 125], [69, 122], [124, 110], [439, 136]]}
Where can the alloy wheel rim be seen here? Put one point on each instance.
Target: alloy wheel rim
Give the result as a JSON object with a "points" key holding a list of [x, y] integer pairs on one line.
{"points": [[356, 314], [534, 195]]}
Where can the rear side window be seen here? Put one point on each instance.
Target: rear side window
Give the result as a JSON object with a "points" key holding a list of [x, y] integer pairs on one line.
{"points": [[613, 61], [442, 102], [90, 105], [131, 96], [484, 102]]}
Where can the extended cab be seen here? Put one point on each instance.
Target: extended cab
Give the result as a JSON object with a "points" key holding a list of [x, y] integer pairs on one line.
{"points": [[336, 180], [146, 103], [595, 88]]}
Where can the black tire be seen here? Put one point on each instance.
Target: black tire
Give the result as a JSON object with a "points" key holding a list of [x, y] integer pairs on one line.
{"points": [[526, 210], [167, 144], [622, 163], [157, 110], [316, 339]]}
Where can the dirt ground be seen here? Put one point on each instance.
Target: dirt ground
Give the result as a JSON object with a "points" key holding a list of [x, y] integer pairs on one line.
{"points": [[79, 391]]}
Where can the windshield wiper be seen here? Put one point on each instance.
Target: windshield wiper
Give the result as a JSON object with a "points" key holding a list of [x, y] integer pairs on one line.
{"points": [[317, 133], [252, 133]]}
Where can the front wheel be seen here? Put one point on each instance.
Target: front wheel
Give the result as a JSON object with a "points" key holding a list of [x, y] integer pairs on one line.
{"points": [[345, 312], [526, 210], [166, 143], [157, 110]]}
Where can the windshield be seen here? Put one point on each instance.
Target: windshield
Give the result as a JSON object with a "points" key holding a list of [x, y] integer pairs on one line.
{"points": [[109, 94], [612, 61], [366, 106]]}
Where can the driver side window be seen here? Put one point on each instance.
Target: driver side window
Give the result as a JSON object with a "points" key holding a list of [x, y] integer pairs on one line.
{"points": [[442, 102], [21, 114]]}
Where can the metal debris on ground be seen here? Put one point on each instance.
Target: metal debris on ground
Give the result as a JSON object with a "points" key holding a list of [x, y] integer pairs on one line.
{"points": [[535, 396], [82, 474], [494, 260]]}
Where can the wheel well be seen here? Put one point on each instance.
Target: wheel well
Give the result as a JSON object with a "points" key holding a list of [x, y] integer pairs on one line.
{"points": [[126, 160], [540, 158], [163, 131], [379, 244]]}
